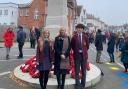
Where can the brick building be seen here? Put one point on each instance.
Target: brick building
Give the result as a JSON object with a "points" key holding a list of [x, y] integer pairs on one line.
{"points": [[33, 13]]}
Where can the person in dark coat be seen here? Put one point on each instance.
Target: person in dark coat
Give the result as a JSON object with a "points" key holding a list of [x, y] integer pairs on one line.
{"points": [[9, 36], [62, 52], [37, 33], [44, 58], [99, 45], [117, 42], [33, 37], [21, 36], [111, 47], [124, 53], [80, 46]]}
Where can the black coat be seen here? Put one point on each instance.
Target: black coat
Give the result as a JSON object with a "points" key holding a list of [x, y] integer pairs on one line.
{"points": [[99, 41], [37, 33], [111, 44], [58, 45]]}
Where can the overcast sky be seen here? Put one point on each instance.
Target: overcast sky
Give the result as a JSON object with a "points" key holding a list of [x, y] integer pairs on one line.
{"points": [[113, 12]]}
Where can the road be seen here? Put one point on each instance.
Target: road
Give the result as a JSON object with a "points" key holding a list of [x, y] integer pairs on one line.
{"points": [[113, 77]]}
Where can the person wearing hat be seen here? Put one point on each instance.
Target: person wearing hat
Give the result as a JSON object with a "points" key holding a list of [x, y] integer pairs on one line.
{"points": [[80, 46], [99, 45]]}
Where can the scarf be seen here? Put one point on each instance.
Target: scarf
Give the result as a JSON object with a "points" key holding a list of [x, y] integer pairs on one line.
{"points": [[65, 44]]}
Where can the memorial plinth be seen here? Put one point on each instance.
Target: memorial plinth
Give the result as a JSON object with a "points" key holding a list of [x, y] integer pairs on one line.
{"points": [[93, 77], [56, 16]]}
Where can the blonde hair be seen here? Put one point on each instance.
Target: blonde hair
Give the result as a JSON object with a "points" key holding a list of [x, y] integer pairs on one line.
{"points": [[42, 38], [62, 28]]}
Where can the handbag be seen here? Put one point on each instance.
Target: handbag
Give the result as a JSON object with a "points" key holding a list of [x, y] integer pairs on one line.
{"points": [[65, 63], [39, 67]]}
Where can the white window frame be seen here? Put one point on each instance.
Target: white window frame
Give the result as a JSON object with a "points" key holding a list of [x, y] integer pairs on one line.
{"points": [[6, 12], [21, 12], [27, 12], [1, 12], [82, 19], [36, 14], [12, 13]]}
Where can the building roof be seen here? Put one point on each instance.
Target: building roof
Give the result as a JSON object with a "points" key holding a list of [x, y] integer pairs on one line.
{"points": [[9, 4], [24, 5], [90, 16], [79, 9]]}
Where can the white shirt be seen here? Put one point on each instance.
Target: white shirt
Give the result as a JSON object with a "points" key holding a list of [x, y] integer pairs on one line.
{"points": [[81, 40]]}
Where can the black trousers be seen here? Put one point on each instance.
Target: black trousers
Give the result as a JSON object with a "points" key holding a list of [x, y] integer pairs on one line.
{"points": [[80, 62], [20, 46], [33, 43], [60, 80], [126, 66], [43, 79]]}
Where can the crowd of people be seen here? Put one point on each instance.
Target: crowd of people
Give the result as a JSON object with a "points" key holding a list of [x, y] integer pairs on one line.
{"points": [[57, 52], [118, 41]]}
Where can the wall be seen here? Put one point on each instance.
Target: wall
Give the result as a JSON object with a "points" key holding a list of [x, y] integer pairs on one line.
{"points": [[12, 16], [29, 21]]}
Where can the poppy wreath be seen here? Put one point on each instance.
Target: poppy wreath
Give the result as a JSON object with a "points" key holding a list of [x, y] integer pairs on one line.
{"points": [[30, 67]]}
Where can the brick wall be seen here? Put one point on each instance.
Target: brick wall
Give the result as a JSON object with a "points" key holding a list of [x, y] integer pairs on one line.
{"points": [[29, 20]]}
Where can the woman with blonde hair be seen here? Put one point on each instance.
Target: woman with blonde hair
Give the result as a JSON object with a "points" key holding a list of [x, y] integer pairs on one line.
{"points": [[44, 58], [62, 52]]}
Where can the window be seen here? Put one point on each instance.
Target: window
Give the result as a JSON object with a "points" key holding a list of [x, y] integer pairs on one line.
{"points": [[12, 13], [26, 12], [5, 24], [89, 24], [36, 14], [5, 12], [0, 12], [12, 23], [82, 19], [21, 12]]}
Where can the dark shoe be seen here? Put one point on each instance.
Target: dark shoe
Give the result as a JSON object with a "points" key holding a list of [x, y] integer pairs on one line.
{"points": [[110, 62], [125, 71], [62, 87], [113, 61], [19, 57], [77, 87], [82, 87], [96, 61], [7, 57], [58, 87]]}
